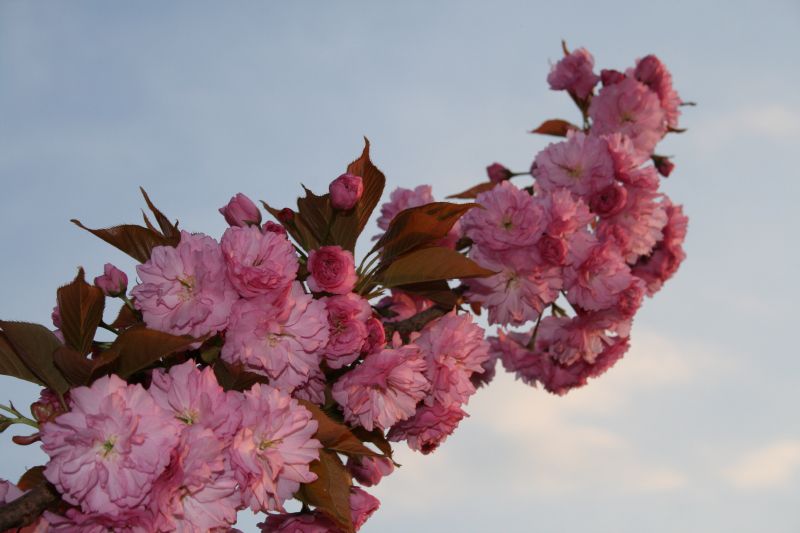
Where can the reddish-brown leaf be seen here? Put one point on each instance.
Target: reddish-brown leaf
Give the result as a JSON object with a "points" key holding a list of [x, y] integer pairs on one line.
{"points": [[437, 291], [330, 493], [555, 127], [12, 365], [35, 345], [473, 192], [233, 377], [136, 241], [375, 437], [168, 229], [419, 226], [374, 182], [430, 264], [138, 347], [335, 436], [81, 306], [74, 366], [126, 318]]}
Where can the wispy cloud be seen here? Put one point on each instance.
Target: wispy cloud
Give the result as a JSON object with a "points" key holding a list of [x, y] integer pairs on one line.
{"points": [[772, 465]]}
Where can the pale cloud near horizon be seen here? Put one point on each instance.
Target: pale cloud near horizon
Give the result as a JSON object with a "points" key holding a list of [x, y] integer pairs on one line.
{"points": [[769, 466]]}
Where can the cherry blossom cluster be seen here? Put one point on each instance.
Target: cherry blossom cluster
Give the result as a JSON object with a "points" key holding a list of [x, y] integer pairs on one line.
{"points": [[270, 365]]}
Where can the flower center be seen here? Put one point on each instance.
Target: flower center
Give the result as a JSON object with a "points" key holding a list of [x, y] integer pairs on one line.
{"points": [[188, 417], [267, 443], [108, 446]]}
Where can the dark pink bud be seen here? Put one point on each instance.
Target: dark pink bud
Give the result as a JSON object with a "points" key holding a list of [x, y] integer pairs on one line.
{"points": [[346, 191], [26, 440], [241, 211], [610, 77], [272, 227], [498, 172], [663, 165], [113, 282], [55, 316], [552, 250], [609, 201], [286, 216], [376, 336]]}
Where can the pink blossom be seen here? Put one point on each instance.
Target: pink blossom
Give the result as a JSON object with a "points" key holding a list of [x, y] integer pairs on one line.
{"points": [[402, 199], [185, 289], [597, 274], [454, 349], [574, 73], [332, 269], [271, 452], [193, 397], [259, 263], [668, 253], [664, 165], [624, 155], [298, 523], [73, 520], [482, 379], [347, 317], [519, 291], [581, 164], [113, 282], [498, 173], [106, 452], [403, 305], [314, 389], [611, 76], [564, 212], [609, 200], [198, 492], [630, 108], [428, 428], [362, 506], [273, 227], [653, 73], [241, 211], [280, 341], [637, 227], [345, 191], [509, 219], [384, 389], [552, 250], [376, 336], [369, 470]]}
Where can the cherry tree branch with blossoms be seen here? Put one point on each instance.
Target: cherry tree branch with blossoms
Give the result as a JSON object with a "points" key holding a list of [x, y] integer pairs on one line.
{"points": [[265, 366]]}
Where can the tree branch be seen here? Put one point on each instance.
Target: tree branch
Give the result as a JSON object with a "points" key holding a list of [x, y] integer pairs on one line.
{"points": [[28, 507], [415, 323]]}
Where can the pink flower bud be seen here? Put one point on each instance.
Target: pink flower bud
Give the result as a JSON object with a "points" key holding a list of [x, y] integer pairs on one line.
{"points": [[376, 336], [346, 191], [663, 165], [553, 250], [609, 200], [241, 211], [286, 215], [369, 470], [498, 172], [332, 270], [610, 77], [113, 282], [271, 227]]}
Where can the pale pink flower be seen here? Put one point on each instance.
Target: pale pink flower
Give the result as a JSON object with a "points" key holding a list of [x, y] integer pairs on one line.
{"points": [[519, 291], [362, 506], [564, 212], [195, 398], [653, 73], [314, 389], [113, 282], [384, 389], [629, 108], [402, 199], [185, 289], [272, 451], [668, 253], [280, 341], [369, 470], [509, 219], [345, 191], [454, 348], [597, 274], [574, 73], [298, 523], [624, 155], [376, 336], [73, 520], [198, 492], [637, 227], [106, 452], [347, 318], [241, 211], [428, 428], [259, 263], [332, 269], [581, 164]]}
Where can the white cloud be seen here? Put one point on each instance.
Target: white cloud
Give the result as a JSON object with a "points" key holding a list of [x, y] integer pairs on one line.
{"points": [[769, 466], [774, 122]]}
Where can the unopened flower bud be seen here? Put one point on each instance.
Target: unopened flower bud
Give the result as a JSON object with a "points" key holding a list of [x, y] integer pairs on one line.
{"points": [[346, 191], [241, 211], [113, 282], [609, 200], [663, 165], [498, 172], [610, 77]]}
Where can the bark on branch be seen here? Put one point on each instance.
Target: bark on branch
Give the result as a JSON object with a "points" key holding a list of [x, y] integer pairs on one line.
{"points": [[28, 507]]}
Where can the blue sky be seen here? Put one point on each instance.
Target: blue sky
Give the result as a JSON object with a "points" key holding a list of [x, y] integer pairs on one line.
{"points": [[696, 430]]}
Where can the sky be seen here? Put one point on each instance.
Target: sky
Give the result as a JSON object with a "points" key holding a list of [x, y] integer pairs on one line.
{"points": [[696, 430]]}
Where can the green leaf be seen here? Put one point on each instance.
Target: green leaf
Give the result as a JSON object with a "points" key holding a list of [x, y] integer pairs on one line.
{"points": [[335, 436], [473, 192], [138, 347], [81, 306], [555, 127], [430, 264], [419, 226], [35, 345], [330, 493]]}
